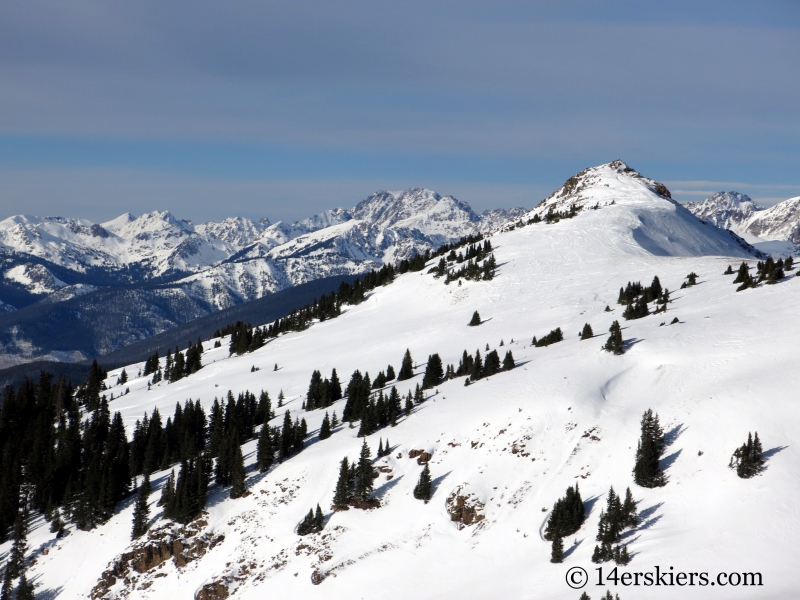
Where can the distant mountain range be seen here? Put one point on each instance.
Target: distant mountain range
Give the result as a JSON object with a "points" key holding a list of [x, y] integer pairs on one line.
{"points": [[737, 212], [102, 286], [72, 290]]}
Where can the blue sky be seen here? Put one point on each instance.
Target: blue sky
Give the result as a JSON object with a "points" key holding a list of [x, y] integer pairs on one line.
{"points": [[282, 109]]}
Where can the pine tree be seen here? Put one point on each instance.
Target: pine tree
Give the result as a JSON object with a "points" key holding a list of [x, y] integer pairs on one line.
{"points": [[341, 495], [325, 428], [5, 592], [306, 526], [557, 551], [238, 474], [16, 556], [141, 511], [615, 344], [167, 496], [409, 405], [24, 589], [587, 332], [334, 421], [748, 459], [508, 361], [433, 372], [621, 556], [585, 596], [364, 479], [406, 367], [265, 451], [319, 519], [476, 319], [646, 471], [422, 491]]}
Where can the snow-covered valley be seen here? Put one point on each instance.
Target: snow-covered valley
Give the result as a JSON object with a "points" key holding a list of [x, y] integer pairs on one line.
{"points": [[509, 444]]}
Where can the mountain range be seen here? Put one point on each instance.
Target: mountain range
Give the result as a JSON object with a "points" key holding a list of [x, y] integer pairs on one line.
{"points": [[711, 359], [134, 277]]}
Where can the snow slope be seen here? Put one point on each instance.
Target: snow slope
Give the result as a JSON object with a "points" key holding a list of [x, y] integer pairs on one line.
{"points": [[567, 413]]}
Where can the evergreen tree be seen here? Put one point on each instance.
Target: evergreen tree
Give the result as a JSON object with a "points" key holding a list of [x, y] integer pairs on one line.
{"points": [[334, 421], [319, 519], [419, 395], [587, 332], [615, 344], [406, 367], [476, 319], [306, 526], [141, 511], [16, 556], [409, 405], [5, 592], [364, 479], [646, 471], [748, 459], [422, 491], [265, 451], [433, 372], [390, 373], [167, 496], [24, 589], [567, 515], [380, 448], [341, 495], [491, 365], [477, 367], [325, 428], [557, 551], [508, 361], [238, 474]]}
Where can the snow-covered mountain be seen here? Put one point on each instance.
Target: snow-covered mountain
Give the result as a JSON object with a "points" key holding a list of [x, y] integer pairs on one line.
{"points": [[714, 367], [737, 212], [216, 265], [727, 210]]}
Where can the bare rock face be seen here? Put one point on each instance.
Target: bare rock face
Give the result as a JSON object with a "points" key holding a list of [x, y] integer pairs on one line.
{"points": [[130, 570], [465, 507], [215, 590], [421, 456]]}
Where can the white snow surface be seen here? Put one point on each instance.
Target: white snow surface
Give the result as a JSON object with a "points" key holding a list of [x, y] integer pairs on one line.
{"points": [[516, 440]]}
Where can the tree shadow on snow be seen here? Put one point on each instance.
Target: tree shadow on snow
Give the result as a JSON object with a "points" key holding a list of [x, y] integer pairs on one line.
{"points": [[588, 505], [48, 593], [573, 547], [666, 462], [767, 454], [381, 492], [673, 434], [628, 344], [435, 483]]}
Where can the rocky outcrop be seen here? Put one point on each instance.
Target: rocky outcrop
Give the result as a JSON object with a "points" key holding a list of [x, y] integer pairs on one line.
{"points": [[181, 544], [464, 507]]}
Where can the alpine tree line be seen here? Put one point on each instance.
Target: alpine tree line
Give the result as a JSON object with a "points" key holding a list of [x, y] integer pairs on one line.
{"points": [[176, 366], [378, 410]]}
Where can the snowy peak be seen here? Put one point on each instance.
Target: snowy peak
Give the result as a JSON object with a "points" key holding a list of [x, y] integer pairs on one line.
{"points": [[779, 222], [635, 215], [610, 180], [737, 212], [236, 231], [157, 222], [414, 205], [726, 210]]}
